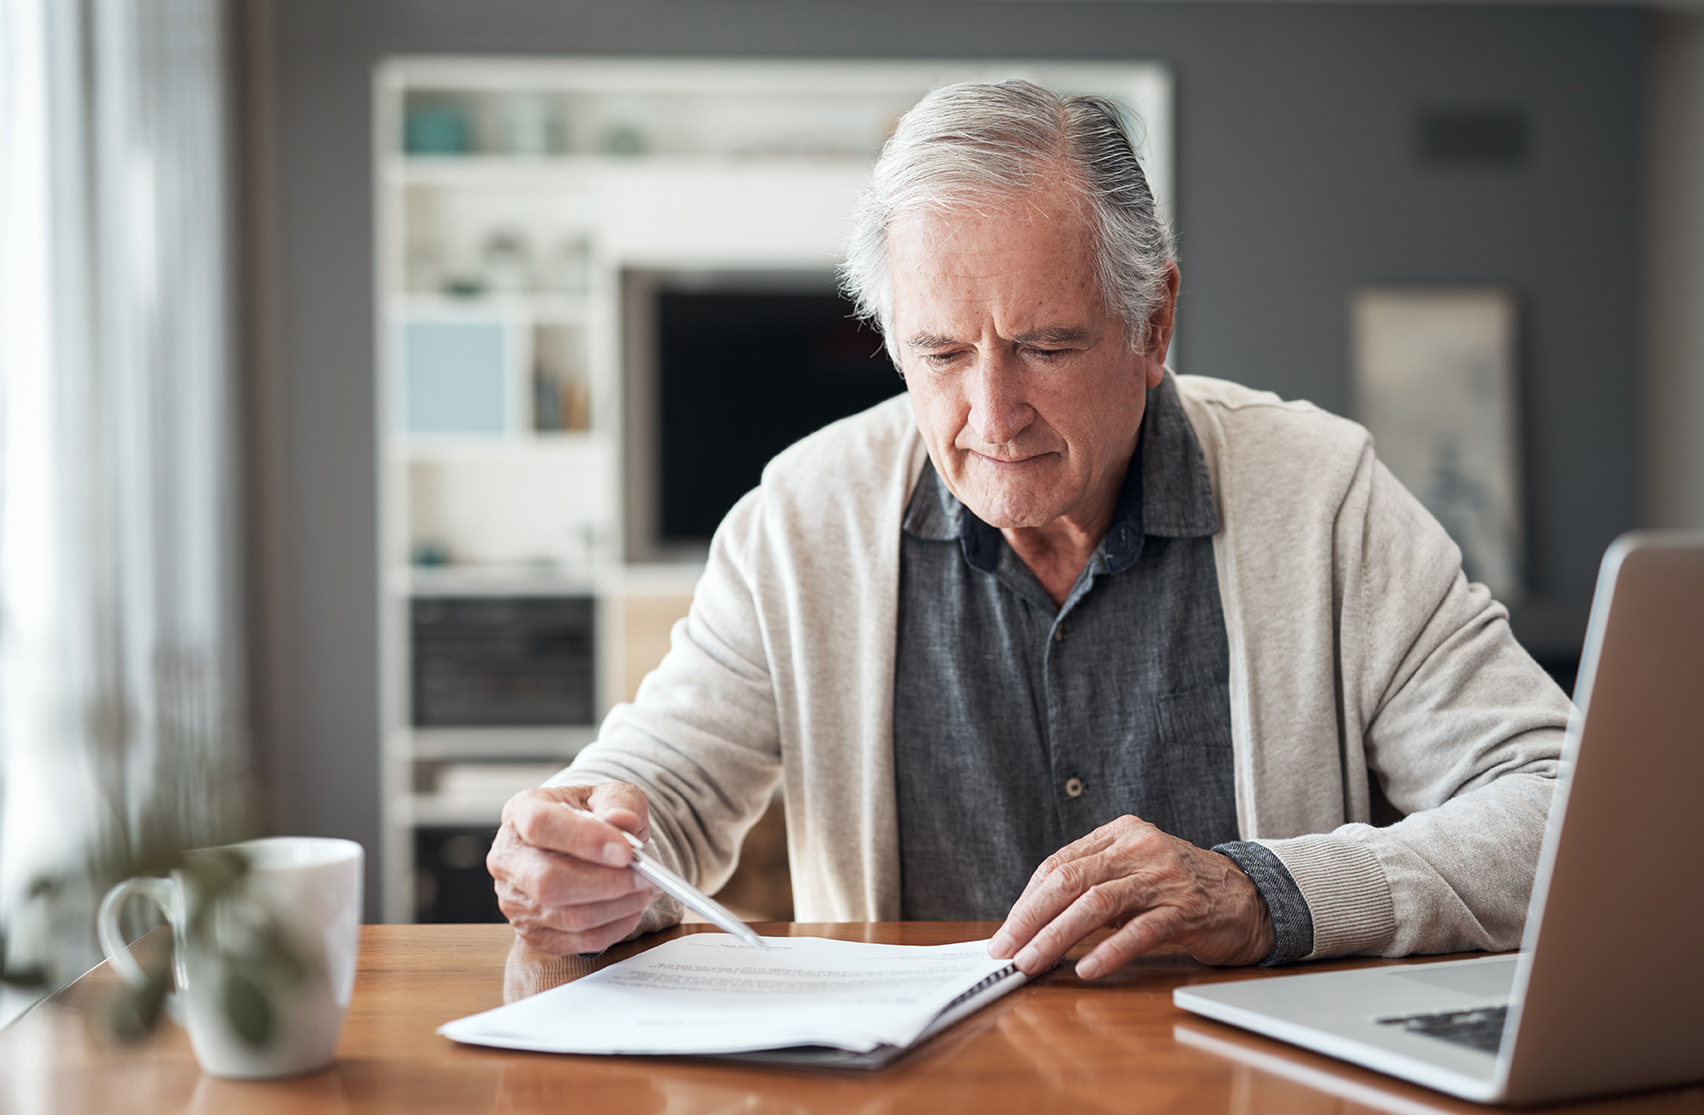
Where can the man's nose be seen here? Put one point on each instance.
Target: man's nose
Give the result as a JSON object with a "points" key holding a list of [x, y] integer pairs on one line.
{"points": [[998, 412]]}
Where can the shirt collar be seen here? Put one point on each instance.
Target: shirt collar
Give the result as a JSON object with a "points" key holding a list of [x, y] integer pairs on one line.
{"points": [[1177, 489], [1167, 492]]}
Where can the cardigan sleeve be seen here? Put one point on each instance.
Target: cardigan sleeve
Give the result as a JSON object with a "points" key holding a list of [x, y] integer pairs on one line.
{"points": [[700, 738], [1462, 729]]}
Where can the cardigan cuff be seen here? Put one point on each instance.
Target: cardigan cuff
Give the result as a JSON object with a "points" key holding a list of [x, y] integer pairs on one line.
{"points": [[661, 914], [1346, 892]]}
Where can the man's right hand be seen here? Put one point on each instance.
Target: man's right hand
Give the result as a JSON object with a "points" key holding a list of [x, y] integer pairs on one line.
{"points": [[562, 878]]}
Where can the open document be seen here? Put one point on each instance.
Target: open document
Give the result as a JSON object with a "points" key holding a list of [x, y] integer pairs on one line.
{"points": [[803, 1000]]}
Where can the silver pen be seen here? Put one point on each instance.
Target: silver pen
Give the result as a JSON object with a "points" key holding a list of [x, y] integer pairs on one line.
{"points": [[678, 888]]}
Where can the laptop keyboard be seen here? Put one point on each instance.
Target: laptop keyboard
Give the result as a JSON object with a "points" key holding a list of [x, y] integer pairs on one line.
{"points": [[1481, 1028]]}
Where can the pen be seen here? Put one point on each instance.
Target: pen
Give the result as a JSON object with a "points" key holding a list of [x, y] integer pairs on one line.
{"points": [[678, 888]]}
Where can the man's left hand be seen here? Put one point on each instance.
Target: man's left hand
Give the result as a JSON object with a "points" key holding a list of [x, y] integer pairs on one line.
{"points": [[1154, 889]]}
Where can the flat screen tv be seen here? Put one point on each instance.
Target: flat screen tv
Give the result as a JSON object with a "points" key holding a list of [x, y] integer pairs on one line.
{"points": [[738, 367]]}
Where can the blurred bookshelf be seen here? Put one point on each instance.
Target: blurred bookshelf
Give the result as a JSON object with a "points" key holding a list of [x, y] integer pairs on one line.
{"points": [[526, 210]]}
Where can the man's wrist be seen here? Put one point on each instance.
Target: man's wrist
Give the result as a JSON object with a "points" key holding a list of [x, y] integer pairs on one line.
{"points": [[1285, 909], [1264, 937]]}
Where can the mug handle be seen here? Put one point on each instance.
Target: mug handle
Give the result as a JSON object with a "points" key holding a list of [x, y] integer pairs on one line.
{"points": [[164, 894]]}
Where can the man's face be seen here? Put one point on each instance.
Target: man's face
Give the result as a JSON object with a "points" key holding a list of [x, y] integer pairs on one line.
{"points": [[1028, 394]]}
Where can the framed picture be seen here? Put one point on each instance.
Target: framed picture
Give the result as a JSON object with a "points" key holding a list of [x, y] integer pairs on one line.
{"points": [[1434, 380]]}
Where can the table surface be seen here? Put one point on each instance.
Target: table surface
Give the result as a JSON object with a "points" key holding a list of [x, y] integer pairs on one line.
{"points": [[1058, 1044]]}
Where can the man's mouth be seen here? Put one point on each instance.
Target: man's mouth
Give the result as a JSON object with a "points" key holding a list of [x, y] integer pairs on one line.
{"points": [[999, 463]]}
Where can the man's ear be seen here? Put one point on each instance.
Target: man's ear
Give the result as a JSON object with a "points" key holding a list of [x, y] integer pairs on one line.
{"points": [[1156, 338]]}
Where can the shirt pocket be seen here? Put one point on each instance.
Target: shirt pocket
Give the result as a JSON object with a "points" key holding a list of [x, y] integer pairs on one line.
{"points": [[1195, 764]]}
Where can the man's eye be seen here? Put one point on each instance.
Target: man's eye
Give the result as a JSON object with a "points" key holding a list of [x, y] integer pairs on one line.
{"points": [[1049, 354]]}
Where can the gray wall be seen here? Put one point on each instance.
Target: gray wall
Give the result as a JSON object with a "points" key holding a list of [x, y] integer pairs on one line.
{"points": [[1674, 234], [1297, 182]]}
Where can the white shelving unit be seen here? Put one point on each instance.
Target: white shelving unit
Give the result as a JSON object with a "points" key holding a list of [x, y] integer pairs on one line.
{"points": [[513, 198]]}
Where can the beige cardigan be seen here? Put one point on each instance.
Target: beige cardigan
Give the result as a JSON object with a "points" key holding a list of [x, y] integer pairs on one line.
{"points": [[1355, 645]]}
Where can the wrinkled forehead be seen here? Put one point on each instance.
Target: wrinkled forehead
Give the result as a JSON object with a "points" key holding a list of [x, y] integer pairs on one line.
{"points": [[1015, 252]]}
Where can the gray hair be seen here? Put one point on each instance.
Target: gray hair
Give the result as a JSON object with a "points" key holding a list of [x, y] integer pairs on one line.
{"points": [[973, 143]]}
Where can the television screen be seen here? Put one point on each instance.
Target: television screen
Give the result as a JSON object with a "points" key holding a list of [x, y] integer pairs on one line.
{"points": [[741, 375]]}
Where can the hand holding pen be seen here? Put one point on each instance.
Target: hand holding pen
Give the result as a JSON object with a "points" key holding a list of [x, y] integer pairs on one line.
{"points": [[563, 880], [682, 891], [571, 874]]}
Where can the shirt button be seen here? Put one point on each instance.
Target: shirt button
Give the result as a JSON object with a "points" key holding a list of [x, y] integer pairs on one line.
{"points": [[1073, 787]]}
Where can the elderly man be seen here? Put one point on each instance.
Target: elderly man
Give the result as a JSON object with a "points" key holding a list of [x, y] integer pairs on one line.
{"points": [[1060, 638]]}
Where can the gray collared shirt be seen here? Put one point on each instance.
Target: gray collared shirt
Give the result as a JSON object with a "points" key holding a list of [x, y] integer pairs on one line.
{"points": [[1020, 726]]}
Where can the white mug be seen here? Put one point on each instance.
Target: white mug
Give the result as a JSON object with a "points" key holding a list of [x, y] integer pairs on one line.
{"points": [[311, 888]]}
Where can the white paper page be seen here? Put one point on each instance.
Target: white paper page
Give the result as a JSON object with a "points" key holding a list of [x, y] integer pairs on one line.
{"points": [[708, 993]]}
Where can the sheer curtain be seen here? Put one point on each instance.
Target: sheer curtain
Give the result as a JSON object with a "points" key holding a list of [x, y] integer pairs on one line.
{"points": [[121, 712]]}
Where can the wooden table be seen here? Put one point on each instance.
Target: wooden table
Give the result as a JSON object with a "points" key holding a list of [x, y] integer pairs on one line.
{"points": [[1056, 1045]]}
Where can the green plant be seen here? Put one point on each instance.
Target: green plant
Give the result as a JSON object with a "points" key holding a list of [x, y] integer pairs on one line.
{"points": [[257, 962]]}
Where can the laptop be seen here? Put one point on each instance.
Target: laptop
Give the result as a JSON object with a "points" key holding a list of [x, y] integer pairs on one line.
{"points": [[1606, 992]]}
